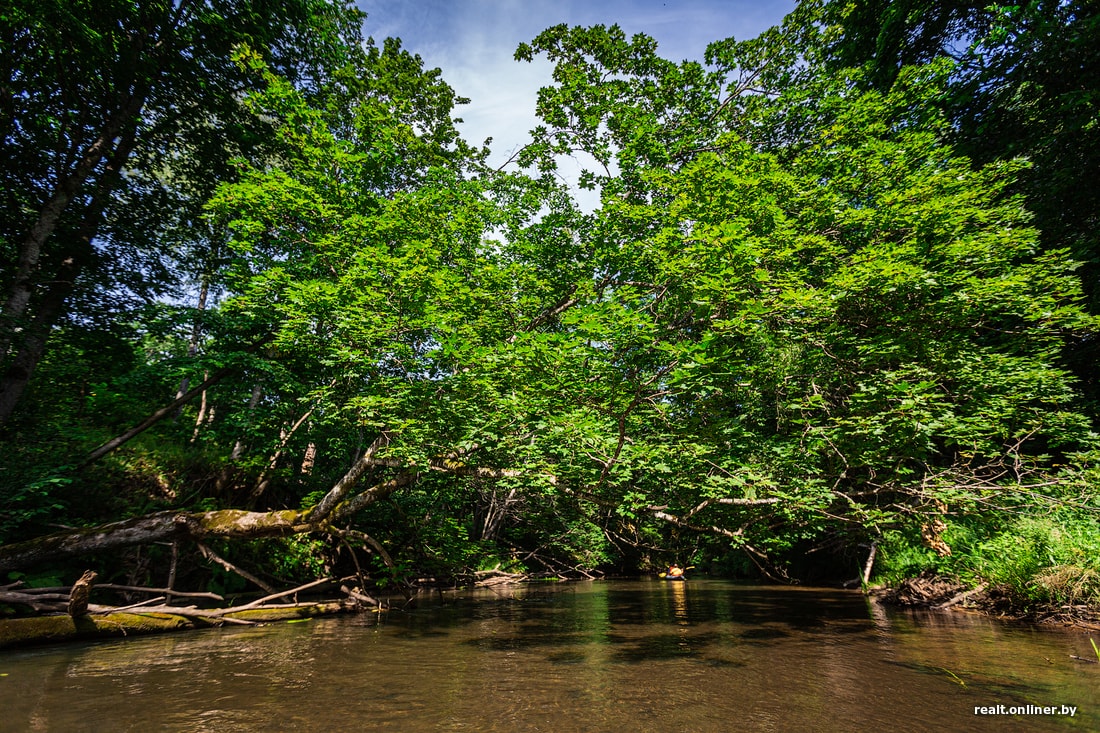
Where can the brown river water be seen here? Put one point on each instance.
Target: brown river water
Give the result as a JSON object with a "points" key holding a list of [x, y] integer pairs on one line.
{"points": [[634, 656]]}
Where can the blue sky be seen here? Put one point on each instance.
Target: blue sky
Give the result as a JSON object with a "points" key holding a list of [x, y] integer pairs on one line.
{"points": [[473, 41]]}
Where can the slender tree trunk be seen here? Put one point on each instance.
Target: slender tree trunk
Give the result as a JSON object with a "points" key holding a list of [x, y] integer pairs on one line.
{"points": [[202, 410], [253, 402], [309, 459], [21, 367], [196, 331], [284, 437]]}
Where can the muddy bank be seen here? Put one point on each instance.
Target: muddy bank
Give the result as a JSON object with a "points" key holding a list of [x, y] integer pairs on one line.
{"points": [[932, 591]]}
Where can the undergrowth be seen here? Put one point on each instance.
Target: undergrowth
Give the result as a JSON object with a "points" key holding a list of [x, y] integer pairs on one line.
{"points": [[1037, 562]]}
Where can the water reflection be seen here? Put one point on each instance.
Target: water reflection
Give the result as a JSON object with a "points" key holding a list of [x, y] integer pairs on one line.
{"points": [[646, 656]]}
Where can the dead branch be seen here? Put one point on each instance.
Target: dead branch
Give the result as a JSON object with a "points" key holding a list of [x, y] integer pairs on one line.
{"points": [[36, 601], [156, 417], [147, 602], [273, 596], [368, 540], [213, 557], [166, 591], [501, 579], [955, 600], [357, 594], [713, 529], [284, 438]]}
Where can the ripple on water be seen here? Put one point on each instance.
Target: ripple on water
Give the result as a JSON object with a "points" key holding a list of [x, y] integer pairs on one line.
{"points": [[640, 656]]}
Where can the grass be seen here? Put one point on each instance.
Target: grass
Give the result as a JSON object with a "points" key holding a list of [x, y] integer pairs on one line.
{"points": [[1040, 563]]}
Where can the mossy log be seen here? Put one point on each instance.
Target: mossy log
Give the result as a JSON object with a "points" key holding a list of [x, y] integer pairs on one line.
{"points": [[158, 527], [171, 526], [19, 632]]}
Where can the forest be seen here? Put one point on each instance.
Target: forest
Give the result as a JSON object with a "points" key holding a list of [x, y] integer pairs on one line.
{"points": [[269, 318]]}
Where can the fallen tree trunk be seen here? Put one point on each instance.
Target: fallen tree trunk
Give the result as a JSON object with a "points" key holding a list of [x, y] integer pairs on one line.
{"points": [[158, 527], [42, 629], [341, 501]]}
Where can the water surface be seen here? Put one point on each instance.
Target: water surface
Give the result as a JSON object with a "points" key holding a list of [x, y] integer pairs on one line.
{"points": [[611, 656]]}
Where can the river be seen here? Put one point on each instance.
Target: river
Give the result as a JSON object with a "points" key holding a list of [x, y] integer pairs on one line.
{"points": [[635, 656]]}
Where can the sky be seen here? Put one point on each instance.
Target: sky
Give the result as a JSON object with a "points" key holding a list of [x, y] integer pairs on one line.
{"points": [[473, 42]]}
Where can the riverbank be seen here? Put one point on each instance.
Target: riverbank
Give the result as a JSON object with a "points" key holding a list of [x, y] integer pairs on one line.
{"points": [[938, 592]]}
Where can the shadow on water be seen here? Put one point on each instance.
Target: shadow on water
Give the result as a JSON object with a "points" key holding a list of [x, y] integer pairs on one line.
{"points": [[642, 655], [661, 646]]}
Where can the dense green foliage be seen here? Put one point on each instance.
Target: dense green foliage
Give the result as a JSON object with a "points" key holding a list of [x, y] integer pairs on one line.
{"points": [[810, 317]]}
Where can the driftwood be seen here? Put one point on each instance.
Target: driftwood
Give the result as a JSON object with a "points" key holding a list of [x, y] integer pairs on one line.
{"points": [[36, 601], [959, 598], [58, 598], [62, 627], [160, 591], [496, 576], [357, 595], [283, 594], [192, 612], [147, 602], [151, 615]]}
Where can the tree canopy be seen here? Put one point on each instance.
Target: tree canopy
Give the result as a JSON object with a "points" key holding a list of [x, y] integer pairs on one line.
{"points": [[810, 317]]}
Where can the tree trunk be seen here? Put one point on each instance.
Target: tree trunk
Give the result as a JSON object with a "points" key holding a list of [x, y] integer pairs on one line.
{"points": [[120, 125], [340, 503], [309, 459], [156, 417], [284, 437], [21, 367], [30, 249], [158, 527], [172, 526], [202, 409], [196, 331], [254, 400]]}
